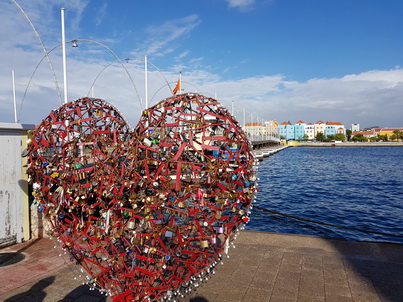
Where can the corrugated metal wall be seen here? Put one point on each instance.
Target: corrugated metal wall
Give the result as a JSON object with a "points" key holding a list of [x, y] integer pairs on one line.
{"points": [[11, 215]]}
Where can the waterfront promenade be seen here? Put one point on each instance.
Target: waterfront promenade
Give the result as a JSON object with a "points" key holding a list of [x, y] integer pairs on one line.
{"points": [[349, 144], [262, 267]]}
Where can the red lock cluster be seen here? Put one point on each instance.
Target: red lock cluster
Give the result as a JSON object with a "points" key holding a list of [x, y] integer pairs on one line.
{"points": [[144, 211]]}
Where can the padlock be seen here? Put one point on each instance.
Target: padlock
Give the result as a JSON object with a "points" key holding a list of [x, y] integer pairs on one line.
{"points": [[220, 230], [130, 225], [204, 244]]}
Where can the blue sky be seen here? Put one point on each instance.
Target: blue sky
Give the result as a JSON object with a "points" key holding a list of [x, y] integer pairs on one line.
{"points": [[287, 60]]}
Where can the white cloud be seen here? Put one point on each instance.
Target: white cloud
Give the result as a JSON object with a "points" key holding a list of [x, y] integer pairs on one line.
{"points": [[160, 36], [241, 4], [101, 13]]}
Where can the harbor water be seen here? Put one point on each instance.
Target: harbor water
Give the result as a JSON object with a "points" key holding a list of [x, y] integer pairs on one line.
{"points": [[358, 188]]}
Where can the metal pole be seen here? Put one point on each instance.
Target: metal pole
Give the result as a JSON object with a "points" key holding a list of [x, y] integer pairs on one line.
{"points": [[145, 80], [180, 81], [64, 56], [14, 100]]}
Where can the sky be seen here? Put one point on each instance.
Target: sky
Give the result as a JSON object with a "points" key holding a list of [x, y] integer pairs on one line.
{"points": [[287, 60]]}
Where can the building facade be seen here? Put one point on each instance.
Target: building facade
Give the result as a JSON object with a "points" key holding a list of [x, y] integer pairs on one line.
{"points": [[355, 128], [310, 131], [299, 130], [253, 130], [286, 131], [270, 129], [319, 126]]}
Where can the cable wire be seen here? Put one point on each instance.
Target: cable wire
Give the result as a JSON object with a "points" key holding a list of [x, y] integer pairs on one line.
{"points": [[326, 224]]}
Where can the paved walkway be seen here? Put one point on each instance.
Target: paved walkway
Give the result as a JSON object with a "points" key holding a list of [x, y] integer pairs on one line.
{"points": [[262, 267]]}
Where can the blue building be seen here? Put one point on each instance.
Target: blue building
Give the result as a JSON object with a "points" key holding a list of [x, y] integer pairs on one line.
{"points": [[299, 130], [286, 130]]}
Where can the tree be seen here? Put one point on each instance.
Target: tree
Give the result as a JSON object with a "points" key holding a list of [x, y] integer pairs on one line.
{"points": [[359, 138], [348, 134], [339, 137], [320, 137], [397, 134], [383, 138]]}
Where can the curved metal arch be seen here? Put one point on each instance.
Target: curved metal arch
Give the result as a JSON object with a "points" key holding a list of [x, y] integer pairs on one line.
{"points": [[127, 60], [43, 48], [170, 88], [73, 41], [117, 60]]}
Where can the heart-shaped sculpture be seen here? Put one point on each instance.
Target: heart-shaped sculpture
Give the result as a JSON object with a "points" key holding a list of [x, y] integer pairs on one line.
{"points": [[145, 212]]}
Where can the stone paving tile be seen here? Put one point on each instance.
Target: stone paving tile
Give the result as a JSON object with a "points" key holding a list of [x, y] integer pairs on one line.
{"points": [[335, 298], [257, 295], [310, 299], [281, 299], [285, 292], [312, 274], [337, 289], [365, 296], [313, 287]]}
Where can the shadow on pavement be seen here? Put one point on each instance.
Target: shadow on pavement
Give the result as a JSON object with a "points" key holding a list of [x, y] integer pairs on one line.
{"points": [[35, 293], [83, 293], [370, 270], [198, 299]]}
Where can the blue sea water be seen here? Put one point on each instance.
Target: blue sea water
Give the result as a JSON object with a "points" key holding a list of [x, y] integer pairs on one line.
{"points": [[357, 187]]}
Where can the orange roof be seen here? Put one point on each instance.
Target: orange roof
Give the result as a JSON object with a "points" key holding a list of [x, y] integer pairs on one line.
{"points": [[319, 122], [363, 132], [391, 129], [310, 124], [300, 122], [252, 124], [285, 123], [334, 123]]}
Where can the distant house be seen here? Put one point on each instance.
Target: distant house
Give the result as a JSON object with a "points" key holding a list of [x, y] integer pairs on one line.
{"points": [[319, 126], [388, 131], [367, 134], [310, 131], [253, 130], [286, 130], [355, 128], [299, 130], [333, 128], [270, 129]]}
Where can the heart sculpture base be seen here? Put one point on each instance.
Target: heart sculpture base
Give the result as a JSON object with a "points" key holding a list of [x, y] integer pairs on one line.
{"points": [[147, 212]]}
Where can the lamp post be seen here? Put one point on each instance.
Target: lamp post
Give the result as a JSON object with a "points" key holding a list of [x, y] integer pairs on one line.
{"points": [[64, 56]]}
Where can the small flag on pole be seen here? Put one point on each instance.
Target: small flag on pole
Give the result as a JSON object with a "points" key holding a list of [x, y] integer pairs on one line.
{"points": [[178, 84], [177, 87]]}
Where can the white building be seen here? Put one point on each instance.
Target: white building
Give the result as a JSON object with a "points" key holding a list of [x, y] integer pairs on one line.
{"points": [[355, 128], [253, 130]]}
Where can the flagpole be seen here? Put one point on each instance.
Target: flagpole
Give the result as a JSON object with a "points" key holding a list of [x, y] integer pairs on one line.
{"points": [[180, 81], [145, 80], [14, 99], [64, 56]]}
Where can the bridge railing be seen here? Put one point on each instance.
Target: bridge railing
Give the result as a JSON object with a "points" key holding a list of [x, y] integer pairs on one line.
{"points": [[263, 138]]}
